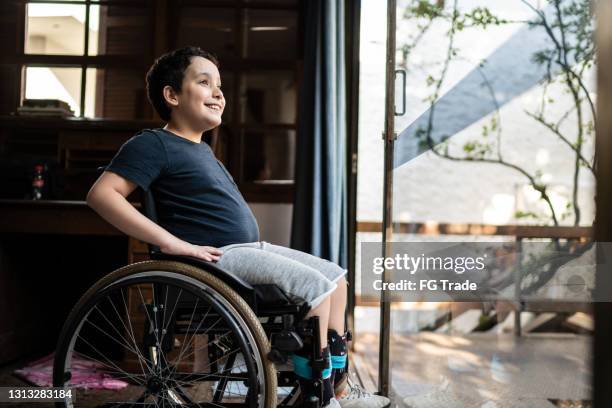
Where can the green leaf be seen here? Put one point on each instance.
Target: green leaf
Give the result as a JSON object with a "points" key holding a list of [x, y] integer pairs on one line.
{"points": [[525, 214], [424, 9], [469, 147]]}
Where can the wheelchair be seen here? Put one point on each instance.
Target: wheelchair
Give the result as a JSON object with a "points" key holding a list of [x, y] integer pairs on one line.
{"points": [[176, 331]]}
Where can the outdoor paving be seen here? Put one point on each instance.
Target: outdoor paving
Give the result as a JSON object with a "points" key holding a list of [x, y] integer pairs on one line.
{"points": [[431, 370]]}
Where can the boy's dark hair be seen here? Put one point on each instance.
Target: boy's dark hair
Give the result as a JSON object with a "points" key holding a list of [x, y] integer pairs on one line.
{"points": [[169, 69]]}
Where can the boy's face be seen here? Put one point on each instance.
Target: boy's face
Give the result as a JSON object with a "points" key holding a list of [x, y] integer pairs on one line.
{"points": [[201, 101]]}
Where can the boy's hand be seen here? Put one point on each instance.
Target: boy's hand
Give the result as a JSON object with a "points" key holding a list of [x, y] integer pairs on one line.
{"points": [[206, 253]]}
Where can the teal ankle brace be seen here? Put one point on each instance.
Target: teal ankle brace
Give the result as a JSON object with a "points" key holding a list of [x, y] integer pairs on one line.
{"points": [[301, 367], [338, 361]]}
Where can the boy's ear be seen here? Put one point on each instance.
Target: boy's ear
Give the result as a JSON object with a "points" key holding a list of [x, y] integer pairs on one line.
{"points": [[170, 96]]}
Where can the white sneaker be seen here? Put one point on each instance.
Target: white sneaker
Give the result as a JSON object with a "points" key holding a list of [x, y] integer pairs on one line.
{"points": [[333, 403], [357, 397]]}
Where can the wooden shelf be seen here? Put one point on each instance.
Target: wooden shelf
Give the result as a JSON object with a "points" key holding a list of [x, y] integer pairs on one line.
{"points": [[52, 217]]}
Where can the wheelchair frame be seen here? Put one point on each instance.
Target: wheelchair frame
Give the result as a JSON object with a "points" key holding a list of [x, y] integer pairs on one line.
{"points": [[282, 322]]}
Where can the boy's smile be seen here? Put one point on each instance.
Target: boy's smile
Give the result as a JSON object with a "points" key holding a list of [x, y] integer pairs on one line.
{"points": [[215, 107]]}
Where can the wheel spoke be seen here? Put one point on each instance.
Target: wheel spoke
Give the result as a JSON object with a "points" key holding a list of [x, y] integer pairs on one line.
{"points": [[154, 326], [130, 331], [112, 364], [153, 349], [160, 341], [201, 347], [184, 345], [126, 345]]}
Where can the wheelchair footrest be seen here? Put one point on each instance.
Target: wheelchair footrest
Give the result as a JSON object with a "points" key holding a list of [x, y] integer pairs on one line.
{"points": [[277, 357], [287, 341]]}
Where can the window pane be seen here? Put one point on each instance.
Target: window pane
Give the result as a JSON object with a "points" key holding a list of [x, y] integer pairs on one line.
{"points": [[269, 155], [94, 30], [272, 34], [90, 92], [54, 83], [57, 29], [271, 97], [210, 29]]}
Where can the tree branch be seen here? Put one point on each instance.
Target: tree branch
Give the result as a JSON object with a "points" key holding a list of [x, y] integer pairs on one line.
{"points": [[544, 23], [579, 140], [556, 131], [536, 186]]}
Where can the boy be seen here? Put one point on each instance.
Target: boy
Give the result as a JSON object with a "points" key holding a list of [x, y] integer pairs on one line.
{"points": [[202, 214]]}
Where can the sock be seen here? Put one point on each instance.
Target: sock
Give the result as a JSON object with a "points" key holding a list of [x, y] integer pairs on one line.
{"points": [[339, 353], [311, 386]]}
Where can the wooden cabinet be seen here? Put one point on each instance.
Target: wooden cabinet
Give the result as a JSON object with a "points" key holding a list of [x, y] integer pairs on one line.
{"points": [[51, 252], [72, 148], [138, 251]]}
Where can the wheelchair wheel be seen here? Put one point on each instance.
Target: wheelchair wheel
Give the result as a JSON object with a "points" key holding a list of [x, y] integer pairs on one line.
{"points": [[164, 334]]}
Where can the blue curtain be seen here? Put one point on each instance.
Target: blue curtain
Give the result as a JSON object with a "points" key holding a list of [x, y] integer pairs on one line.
{"points": [[319, 214]]}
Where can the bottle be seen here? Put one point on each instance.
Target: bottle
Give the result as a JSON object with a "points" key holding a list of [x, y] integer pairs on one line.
{"points": [[38, 182]]}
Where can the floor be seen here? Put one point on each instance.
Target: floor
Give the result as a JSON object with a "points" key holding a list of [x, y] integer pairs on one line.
{"points": [[7, 379], [86, 398], [431, 370], [434, 370]]}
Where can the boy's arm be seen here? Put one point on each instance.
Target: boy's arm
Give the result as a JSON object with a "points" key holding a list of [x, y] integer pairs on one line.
{"points": [[108, 198]]}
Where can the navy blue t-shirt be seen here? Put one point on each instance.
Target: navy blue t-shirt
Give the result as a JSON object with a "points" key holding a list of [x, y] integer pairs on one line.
{"points": [[196, 198]]}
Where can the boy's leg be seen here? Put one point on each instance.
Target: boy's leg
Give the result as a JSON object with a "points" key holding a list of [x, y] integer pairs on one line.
{"points": [[337, 308], [330, 330], [302, 283], [322, 312], [329, 269], [303, 277], [304, 360], [336, 337], [299, 281], [332, 271], [355, 396]]}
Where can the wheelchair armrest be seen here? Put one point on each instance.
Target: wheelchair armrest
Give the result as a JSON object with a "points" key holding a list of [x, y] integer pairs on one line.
{"points": [[244, 289]]}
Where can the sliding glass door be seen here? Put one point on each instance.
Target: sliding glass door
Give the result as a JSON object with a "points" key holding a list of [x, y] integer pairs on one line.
{"points": [[488, 208]]}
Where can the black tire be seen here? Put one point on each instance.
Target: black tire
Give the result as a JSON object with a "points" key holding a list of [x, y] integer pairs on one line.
{"points": [[244, 333]]}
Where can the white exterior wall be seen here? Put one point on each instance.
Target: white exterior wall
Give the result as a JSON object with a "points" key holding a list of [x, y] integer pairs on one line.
{"points": [[429, 188]]}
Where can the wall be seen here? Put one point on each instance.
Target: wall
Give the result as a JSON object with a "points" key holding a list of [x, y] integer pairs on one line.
{"points": [[274, 222]]}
